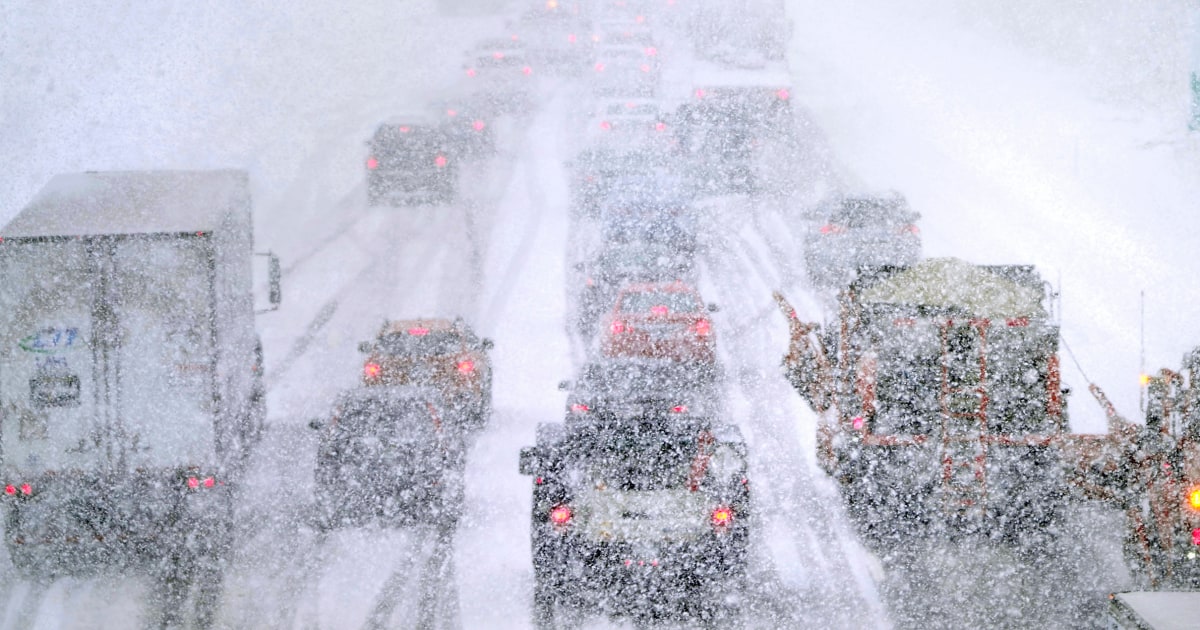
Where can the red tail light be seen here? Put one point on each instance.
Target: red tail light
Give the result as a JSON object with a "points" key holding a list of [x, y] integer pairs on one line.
{"points": [[617, 327], [478, 125], [26, 489], [783, 94], [466, 366], [451, 113], [651, 51], [605, 125], [10, 490], [660, 126], [527, 71], [1017, 322], [497, 55], [599, 66], [580, 408], [405, 129], [560, 514], [658, 310], [372, 163], [372, 370], [645, 67], [471, 72], [832, 228], [910, 229], [193, 483], [699, 93], [418, 331], [702, 328], [722, 518], [1196, 536], [679, 409], [439, 161], [571, 38]]}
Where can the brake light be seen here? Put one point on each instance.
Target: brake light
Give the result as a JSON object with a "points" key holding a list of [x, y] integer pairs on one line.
{"points": [[439, 161], [832, 228], [527, 71], [617, 327], [645, 67], [605, 125], [591, 282], [560, 515], [660, 126], [10, 490], [699, 93], [571, 38], [405, 129], [910, 229], [721, 518], [651, 51], [497, 55], [679, 409], [470, 72], [451, 113], [478, 125], [599, 66], [372, 163], [418, 331], [783, 94], [659, 310], [702, 328], [1017, 322], [1196, 536], [1194, 498], [580, 408], [466, 366], [372, 370]]}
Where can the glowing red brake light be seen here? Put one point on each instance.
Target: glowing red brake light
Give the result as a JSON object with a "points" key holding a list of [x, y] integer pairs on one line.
{"points": [[832, 228], [560, 515], [910, 229], [660, 126], [617, 327], [439, 161], [478, 125], [372, 370], [722, 517], [10, 490], [659, 310], [605, 125], [679, 409], [702, 327], [193, 483], [599, 66], [580, 408], [418, 331], [372, 163], [1196, 536], [651, 51], [699, 93], [783, 94], [209, 482], [645, 67], [405, 129], [471, 72], [26, 489], [465, 366]]}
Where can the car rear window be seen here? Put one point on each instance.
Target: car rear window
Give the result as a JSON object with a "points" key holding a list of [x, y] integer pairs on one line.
{"points": [[867, 213], [406, 141], [644, 301], [420, 342], [402, 419]]}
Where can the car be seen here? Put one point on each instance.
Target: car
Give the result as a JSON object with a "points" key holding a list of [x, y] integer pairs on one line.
{"points": [[411, 160], [860, 231], [635, 518], [619, 264], [631, 122], [469, 125], [625, 71], [653, 389], [664, 321], [556, 37], [596, 171], [501, 74], [649, 208], [386, 455], [444, 354]]}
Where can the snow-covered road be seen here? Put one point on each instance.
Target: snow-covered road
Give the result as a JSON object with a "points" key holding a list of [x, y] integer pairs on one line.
{"points": [[1010, 154]]}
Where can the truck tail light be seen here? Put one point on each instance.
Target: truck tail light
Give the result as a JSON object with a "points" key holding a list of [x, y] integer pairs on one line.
{"points": [[617, 327], [722, 518], [372, 370], [702, 328], [560, 514], [599, 66], [466, 366], [372, 163]]}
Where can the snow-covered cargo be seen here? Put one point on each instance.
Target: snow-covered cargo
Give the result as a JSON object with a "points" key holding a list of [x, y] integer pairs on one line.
{"points": [[130, 375], [941, 400]]}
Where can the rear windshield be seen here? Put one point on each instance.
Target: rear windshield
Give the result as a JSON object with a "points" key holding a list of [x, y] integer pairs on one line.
{"points": [[402, 419], [638, 460], [406, 141], [870, 212], [645, 301], [644, 109], [420, 342]]}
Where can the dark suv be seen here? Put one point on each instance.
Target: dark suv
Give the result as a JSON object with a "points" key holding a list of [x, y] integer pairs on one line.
{"points": [[411, 163], [387, 455]]}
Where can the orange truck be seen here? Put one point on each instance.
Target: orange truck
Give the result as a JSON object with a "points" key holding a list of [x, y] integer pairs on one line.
{"points": [[940, 402]]}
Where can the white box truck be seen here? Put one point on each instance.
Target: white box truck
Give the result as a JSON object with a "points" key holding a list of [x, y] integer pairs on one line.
{"points": [[130, 372]]}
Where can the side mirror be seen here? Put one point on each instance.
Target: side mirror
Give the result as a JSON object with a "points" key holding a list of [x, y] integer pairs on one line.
{"points": [[365, 347], [316, 424], [530, 461], [487, 344], [713, 308], [564, 386], [274, 280]]}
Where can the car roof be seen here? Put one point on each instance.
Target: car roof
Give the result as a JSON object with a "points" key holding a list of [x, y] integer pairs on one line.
{"points": [[674, 286], [404, 325], [390, 393]]}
